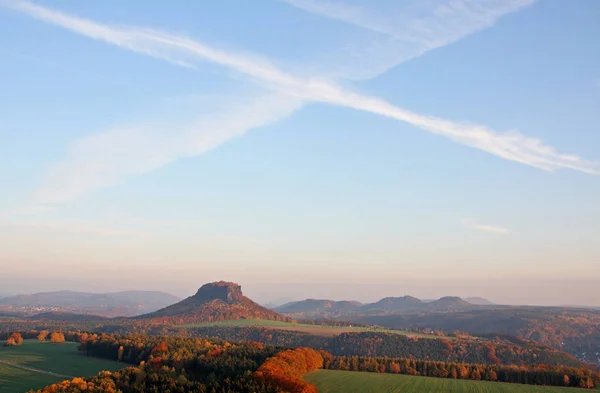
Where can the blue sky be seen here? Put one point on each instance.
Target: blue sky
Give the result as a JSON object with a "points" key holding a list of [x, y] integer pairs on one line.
{"points": [[365, 149]]}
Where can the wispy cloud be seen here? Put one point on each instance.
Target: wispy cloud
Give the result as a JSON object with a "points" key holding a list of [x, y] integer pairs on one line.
{"points": [[485, 228], [429, 22], [108, 158], [490, 228], [407, 29], [345, 12], [153, 149]]}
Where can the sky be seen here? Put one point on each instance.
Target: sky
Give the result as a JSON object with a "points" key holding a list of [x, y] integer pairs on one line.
{"points": [[303, 148]]}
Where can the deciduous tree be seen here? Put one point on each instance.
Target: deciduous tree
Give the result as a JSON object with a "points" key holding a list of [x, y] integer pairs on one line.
{"points": [[43, 335], [57, 338], [14, 339]]}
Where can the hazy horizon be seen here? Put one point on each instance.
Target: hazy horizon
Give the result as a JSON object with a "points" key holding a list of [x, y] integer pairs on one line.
{"points": [[266, 292], [367, 149]]}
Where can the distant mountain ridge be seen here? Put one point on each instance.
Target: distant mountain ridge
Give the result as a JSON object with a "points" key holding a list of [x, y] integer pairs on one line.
{"points": [[215, 301], [329, 308], [125, 303]]}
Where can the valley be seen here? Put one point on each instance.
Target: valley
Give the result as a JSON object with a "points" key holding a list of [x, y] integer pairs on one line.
{"points": [[449, 331]]}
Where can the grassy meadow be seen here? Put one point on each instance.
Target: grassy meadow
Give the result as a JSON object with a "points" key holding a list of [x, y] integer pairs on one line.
{"points": [[62, 359], [329, 381], [318, 330], [14, 380]]}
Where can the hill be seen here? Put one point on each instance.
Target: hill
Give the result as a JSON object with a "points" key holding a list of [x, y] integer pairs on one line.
{"points": [[215, 301], [479, 301], [448, 303], [393, 304], [496, 350], [575, 331], [320, 307], [127, 303], [273, 304]]}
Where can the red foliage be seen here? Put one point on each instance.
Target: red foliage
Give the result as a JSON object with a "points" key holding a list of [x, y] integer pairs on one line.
{"points": [[104, 385], [215, 352], [160, 348], [285, 370], [155, 363]]}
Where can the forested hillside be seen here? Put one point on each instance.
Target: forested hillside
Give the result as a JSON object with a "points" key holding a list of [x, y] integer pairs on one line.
{"points": [[576, 331], [192, 364]]}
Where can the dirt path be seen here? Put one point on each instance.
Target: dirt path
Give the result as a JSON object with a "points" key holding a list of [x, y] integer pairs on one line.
{"points": [[35, 370]]}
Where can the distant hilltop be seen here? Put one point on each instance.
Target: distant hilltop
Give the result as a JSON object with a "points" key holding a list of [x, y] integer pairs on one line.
{"points": [[215, 301], [479, 301], [330, 308]]}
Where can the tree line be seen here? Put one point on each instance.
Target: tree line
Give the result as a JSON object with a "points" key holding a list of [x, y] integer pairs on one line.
{"points": [[530, 375], [15, 339]]}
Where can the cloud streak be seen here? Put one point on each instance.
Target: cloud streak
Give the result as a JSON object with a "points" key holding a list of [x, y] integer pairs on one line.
{"points": [[431, 23], [484, 228], [95, 154], [108, 158], [407, 29]]}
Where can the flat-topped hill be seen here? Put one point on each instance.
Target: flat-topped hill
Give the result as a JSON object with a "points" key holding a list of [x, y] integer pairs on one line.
{"points": [[215, 301]]}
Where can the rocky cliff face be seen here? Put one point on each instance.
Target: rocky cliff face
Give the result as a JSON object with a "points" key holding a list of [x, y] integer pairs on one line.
{"points": [[228, 292]]}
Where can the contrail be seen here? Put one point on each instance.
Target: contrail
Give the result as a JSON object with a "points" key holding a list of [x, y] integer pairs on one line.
{"points": [[184, 51]]}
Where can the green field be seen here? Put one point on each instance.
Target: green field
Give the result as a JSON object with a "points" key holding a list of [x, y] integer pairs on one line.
{"points": [[301, 327], [248, 322], [328, 381], [62, 359], [13, 380]]}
